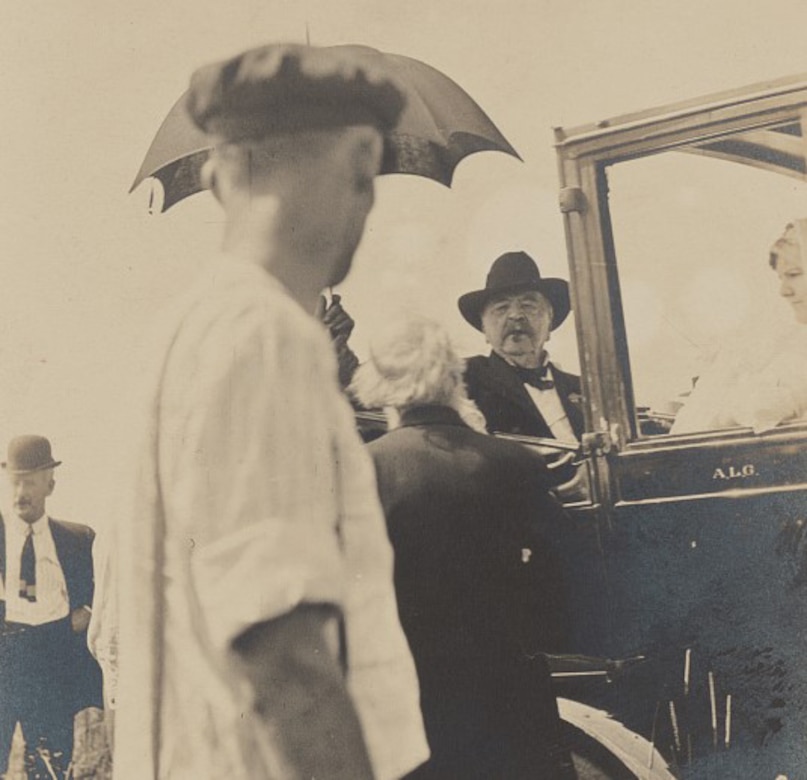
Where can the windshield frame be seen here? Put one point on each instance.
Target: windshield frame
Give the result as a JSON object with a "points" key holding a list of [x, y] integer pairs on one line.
{"points": [[584, 156]]}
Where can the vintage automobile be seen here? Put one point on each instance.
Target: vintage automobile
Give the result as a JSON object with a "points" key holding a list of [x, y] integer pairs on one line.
{"points": [[691, 547], [687, 549]]}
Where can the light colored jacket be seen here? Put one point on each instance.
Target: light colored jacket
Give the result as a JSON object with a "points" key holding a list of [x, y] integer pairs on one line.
{"points": [[251, 495]]}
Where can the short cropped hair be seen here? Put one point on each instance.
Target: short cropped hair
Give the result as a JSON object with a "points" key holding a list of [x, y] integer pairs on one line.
{"points": [[246, 159]]}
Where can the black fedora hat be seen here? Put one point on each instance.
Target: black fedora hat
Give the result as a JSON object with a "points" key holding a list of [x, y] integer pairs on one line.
{"points": [[510, 273], [29, 453]]}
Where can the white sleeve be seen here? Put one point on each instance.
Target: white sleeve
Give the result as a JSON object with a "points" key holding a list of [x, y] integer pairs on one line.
{"points": [[102, 634], [248, 452]]}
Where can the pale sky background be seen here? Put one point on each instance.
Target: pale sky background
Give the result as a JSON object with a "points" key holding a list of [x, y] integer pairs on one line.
{"points": [[84, 84]]}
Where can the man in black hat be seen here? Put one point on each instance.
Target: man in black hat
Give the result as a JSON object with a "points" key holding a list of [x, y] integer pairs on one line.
{"points": [[259, 633], [517, 387], [46, 671]]}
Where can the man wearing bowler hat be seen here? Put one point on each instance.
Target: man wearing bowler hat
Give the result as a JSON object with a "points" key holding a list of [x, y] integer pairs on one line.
{"points": [[259, 635], [517, 387], [46, 671]]}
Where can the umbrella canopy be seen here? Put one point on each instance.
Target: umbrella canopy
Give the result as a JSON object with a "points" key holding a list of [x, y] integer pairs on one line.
{"points": [[440, 125]]}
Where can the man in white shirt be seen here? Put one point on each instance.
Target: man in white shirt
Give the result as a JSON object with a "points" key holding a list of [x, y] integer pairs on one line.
{"points": [[259, 635], [517, 387], [46, 673]]}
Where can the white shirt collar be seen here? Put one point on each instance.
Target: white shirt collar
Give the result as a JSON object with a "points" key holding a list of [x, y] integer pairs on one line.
{"points": [[37, 527]]}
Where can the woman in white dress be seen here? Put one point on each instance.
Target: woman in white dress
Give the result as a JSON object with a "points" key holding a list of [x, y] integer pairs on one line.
{"points": [[760, 389]]}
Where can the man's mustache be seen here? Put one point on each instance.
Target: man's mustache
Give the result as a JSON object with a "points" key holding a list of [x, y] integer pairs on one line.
{"points": [[519, 327]]}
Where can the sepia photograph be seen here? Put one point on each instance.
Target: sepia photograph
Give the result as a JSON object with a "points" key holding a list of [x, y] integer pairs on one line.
{"points": [[403, 391]]}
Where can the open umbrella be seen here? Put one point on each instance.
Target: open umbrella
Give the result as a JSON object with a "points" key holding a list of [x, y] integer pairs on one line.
{"points": [[440, 125]]}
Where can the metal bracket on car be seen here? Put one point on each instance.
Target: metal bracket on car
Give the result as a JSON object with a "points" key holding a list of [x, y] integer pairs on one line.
{"points": [[597, 443], [572, 199]]}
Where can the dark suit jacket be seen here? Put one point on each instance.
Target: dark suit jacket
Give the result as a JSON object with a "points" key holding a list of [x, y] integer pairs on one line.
{"points": [[73, 544], [479, 593], [501, 396]]}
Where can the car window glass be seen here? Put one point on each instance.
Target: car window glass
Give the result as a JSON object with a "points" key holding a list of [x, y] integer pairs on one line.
{"points": [[693, 229]]}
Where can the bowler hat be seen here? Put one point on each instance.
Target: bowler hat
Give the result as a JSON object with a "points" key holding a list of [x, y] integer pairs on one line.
{"points": [[514, 272], [29, 453], [283, 88]]}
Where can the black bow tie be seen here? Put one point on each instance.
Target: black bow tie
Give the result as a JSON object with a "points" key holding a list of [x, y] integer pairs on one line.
{"points": [[535, 376]]}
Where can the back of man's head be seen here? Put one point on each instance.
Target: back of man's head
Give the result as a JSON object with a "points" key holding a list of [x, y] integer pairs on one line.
{"points": [[298, 135], [297, 205], [284, 107]]}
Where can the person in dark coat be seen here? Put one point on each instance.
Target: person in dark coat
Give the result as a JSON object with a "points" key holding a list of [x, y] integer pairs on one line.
{"points": [[517, 387], [46, 578], [479, 591]]}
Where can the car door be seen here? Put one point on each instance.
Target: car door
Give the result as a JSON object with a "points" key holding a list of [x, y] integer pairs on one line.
{"points": [[691, 550]]}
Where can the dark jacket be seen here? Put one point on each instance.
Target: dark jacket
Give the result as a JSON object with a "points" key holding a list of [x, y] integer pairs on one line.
{"points": [[502, 398], [479, 593], [73, 544]]}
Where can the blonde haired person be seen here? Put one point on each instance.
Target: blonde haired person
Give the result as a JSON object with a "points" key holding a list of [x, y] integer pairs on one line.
{"points": [[478, 585], [413, 363]]}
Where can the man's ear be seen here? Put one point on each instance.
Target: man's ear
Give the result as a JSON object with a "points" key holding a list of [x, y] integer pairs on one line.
{"points": [[208, 175], [366, 150]]}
